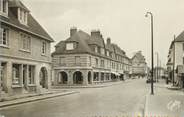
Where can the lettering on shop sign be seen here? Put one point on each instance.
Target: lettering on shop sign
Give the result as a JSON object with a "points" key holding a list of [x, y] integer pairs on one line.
{"points": [[174, 105]]}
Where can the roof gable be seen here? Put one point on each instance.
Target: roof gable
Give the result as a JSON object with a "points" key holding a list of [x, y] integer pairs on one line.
{"points": [[32, 27]]}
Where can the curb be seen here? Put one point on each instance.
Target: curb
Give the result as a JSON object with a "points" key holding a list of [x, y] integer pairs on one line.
{"points": [[97, 86], [33, 99]]}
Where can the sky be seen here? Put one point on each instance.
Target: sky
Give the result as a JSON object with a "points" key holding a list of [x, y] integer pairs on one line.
{"points": [[123, 21]]}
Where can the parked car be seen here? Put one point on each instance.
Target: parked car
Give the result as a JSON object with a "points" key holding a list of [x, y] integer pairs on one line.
{"points": [[149, 81]]}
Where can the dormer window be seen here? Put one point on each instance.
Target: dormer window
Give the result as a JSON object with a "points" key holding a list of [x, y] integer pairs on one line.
{"points": [[22, 16], [4, 7], [103, 51], [70, 46], [107, 53], [96, 49]]}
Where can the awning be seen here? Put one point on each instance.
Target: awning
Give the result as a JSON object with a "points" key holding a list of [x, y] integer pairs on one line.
{"points": [[115, 73]]}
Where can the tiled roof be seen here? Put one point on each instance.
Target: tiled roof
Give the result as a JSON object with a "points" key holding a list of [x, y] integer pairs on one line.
{"points": [[118, 50], [32, 27], [109, 47], [84, 41], [80, 38], [97, 41]]}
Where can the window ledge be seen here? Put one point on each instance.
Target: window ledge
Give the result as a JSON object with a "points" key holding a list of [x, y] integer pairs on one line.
{"points": [[4, 46], [16, 86], [31, 85], [25, 50]]}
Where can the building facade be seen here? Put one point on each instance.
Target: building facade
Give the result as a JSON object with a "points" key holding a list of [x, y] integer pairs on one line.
{"points": [[175, 64], [84, 59], [25, 58], [139, 65]]}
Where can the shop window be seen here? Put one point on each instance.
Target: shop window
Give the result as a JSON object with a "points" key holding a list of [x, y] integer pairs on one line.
{"points": [[16, 74]]}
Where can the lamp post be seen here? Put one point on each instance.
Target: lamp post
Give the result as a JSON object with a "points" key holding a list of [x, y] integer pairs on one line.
{"points": [[157, 68], [152, 56]]}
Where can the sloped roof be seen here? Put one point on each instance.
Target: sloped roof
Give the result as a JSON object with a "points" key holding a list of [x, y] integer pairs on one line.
{"points": [[118, 50], [32, 27], [17, 3], [80, 38], [97, 41], [140, 57], [180, 37], [109, 47]]}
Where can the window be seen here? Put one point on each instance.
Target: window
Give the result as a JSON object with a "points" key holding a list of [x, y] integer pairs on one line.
{"points": [[102, 63], [77, 60], [31, 74], [90, 61], [69, 46], [16, 74], [25, 42], [22, 16], [3, 37], [96, 62], [62, 61], [4, 7], [44, 47]]}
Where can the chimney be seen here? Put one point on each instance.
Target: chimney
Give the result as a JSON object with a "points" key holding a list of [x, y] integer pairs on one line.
{"points": [[73, 30], [95, 33], [108, 40]]}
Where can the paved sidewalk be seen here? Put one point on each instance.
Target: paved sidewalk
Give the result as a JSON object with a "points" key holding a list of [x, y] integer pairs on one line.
{"points": [[164, 102], [99, 85], [14, 100]]}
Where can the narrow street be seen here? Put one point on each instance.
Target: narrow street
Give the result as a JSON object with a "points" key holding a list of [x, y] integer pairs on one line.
{"points": [[126, 98]]}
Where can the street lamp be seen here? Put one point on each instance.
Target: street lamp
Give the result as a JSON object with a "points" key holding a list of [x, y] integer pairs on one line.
{"points": [[157, 68], [152, 56]]}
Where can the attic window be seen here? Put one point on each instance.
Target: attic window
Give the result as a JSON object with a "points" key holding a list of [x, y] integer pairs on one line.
{"points": [[4, 7], [22, 16], [70, 46]]}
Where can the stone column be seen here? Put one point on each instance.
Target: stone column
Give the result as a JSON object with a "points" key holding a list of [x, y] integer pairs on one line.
{"points": [[92, 77], [26, 82], [55, 76], [8, 78], [21, 74], [37, 79], [85, 77], [70, 78], [48, 78]]}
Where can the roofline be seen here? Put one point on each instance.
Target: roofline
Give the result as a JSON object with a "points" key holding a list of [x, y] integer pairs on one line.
{"points": [[27, 30]]}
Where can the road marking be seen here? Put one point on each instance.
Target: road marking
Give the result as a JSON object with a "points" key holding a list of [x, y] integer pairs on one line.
{"points": [[174, 105]]}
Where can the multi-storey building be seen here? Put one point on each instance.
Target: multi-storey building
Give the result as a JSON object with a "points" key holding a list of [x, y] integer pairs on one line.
{"points": [[25, 58], [139, 65], [87, 59], [176, 57]]}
